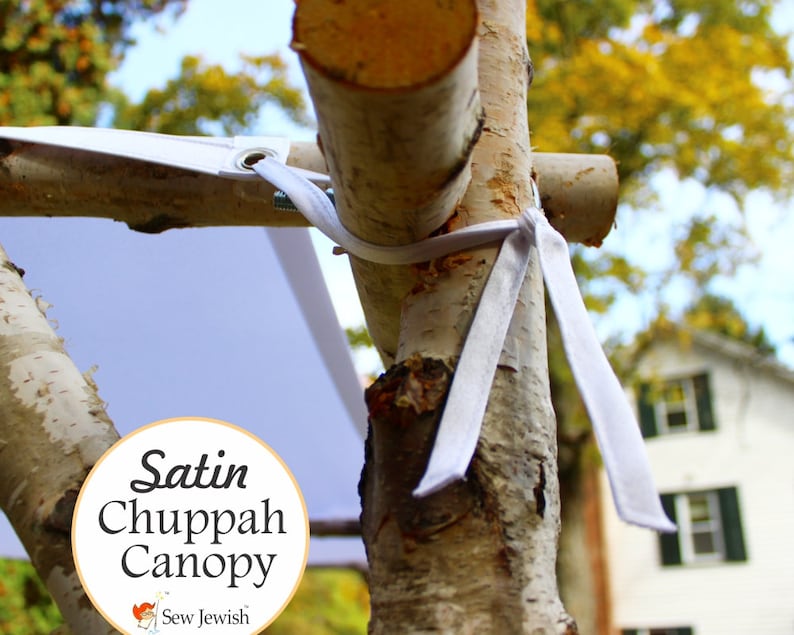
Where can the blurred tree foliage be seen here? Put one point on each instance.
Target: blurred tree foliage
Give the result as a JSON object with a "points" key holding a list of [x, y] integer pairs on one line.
{"points": [[721, 315], [328, 602], [699, 86], [55, 55], [25, 604], [207, 99], [359, 337]]}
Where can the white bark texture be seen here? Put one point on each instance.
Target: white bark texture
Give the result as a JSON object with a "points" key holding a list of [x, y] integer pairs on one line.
{"points": [[53, 428], [479, 556]]}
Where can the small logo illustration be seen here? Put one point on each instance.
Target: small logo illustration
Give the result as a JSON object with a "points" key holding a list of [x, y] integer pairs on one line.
{"points": [[146, 614]]}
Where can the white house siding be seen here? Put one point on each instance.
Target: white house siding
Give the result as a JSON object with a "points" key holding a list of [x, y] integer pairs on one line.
{"points": [[751, 449]]}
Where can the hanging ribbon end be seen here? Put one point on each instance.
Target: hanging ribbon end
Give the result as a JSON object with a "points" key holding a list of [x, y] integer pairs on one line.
{"points": [[435, 482], [666, 526], [655, 520]]}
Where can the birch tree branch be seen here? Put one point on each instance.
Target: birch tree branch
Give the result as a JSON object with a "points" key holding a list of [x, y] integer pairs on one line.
{"points": [[579, 191], [53, 428], [341, 527], [42, 180], [405, 112]]}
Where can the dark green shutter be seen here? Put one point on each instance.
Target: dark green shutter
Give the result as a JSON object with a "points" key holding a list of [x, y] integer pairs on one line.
{"points": [[669, 547], [703, 399], [732, 524], [647, 411], [683, 630]]}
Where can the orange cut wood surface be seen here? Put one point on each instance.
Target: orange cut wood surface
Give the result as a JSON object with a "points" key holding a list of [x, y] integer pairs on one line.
{"points": [[382, 44]]}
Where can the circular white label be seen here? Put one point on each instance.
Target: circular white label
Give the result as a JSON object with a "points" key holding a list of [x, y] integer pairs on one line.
{"points": [[190, 525]]}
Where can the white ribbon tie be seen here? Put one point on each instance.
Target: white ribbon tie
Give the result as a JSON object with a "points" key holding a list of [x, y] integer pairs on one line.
{"points": [[617, 433]]}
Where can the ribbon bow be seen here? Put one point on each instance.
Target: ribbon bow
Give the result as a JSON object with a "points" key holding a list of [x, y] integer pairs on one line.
{"points": [[616, 429]]}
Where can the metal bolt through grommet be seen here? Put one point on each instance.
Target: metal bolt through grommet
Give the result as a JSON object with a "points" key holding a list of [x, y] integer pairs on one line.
{"points": [[283, 203]]}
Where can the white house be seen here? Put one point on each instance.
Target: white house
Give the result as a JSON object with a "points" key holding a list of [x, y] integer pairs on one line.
{"points": [[719, 425]]}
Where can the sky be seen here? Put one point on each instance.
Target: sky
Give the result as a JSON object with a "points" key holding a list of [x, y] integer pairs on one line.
{"points": [[203, 322]]}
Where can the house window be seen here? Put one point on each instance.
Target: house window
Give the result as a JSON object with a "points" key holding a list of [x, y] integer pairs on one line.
{"points": [[676, 410], [680, 630], [699, 513], [675, 405], [709, 528]]}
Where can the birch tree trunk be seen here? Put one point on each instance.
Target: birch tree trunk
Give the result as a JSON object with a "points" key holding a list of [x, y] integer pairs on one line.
{"points": [[478, 556], [53, 428]]}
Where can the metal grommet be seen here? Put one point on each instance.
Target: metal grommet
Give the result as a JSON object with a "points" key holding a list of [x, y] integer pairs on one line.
{"points": [[248, 159]]}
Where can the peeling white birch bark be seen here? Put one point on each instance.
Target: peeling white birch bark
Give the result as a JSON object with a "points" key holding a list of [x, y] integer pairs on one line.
{"points": [[53, 428]]}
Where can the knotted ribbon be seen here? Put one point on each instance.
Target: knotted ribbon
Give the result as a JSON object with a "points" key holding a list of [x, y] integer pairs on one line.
{"points": [[614, 423]]}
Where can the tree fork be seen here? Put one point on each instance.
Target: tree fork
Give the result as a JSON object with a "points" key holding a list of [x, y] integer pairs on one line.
{"points": [[482, 551]]}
